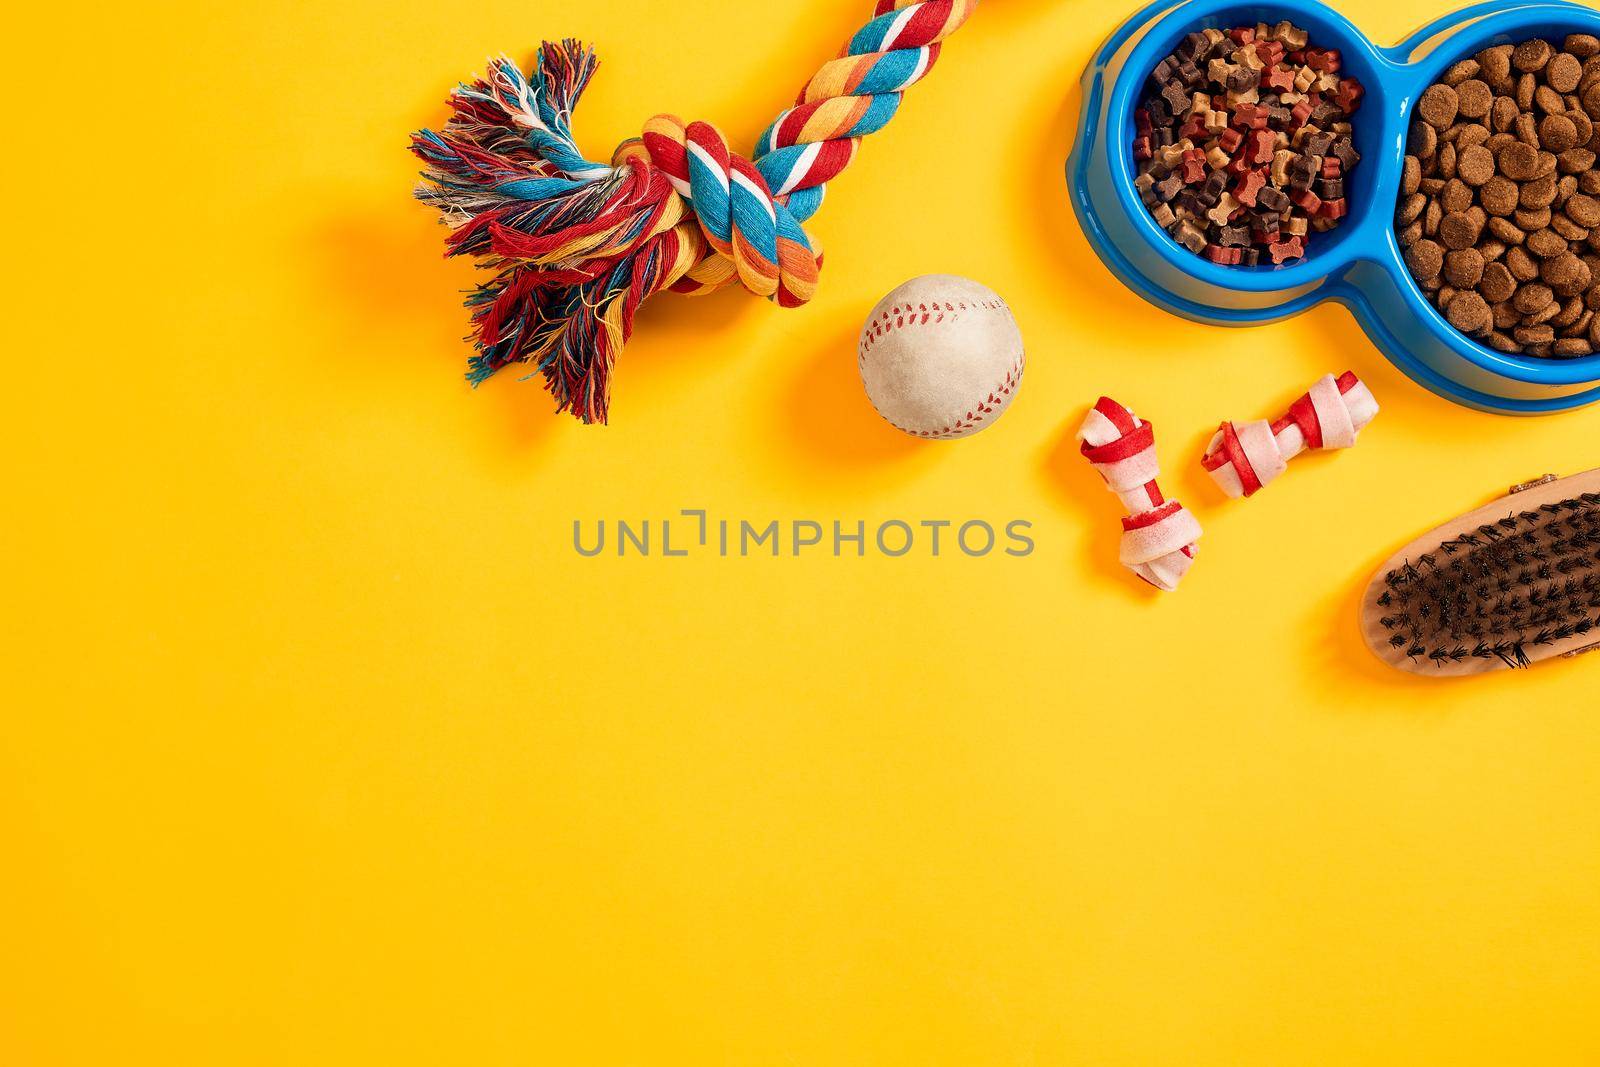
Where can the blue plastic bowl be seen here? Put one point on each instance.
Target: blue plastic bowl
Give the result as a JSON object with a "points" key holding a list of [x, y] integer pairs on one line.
{"points": [[1358, 264]]}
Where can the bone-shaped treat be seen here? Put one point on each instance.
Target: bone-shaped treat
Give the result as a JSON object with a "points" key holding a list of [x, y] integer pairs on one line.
{"points": [[1244, 457], [1158, 536]]}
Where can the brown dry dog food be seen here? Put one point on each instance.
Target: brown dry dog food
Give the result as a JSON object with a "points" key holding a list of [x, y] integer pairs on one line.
{"points": [[1469, 312], [1518, 161], [1438, 106], [1499, 210], [1475, 165]]}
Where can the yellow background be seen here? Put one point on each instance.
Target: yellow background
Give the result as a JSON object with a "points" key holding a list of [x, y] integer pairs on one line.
{"points": [[324, 747]]}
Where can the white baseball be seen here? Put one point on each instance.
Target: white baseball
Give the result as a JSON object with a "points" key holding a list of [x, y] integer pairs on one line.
{"points": [[940, 356]]}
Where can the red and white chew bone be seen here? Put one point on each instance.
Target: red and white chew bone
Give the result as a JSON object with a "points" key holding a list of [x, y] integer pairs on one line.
{"points": [[1243, 458], [1158, 536]]}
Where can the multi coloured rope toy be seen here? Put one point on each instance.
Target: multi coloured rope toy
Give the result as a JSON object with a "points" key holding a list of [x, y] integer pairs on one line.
{"points": [[577, 246]]}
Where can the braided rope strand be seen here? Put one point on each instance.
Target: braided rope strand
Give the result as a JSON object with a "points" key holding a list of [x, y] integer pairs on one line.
{"points": [[852, 96], [577, 246]]}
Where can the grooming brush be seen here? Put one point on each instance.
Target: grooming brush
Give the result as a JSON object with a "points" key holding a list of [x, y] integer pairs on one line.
{"points": [[1511, 584]]}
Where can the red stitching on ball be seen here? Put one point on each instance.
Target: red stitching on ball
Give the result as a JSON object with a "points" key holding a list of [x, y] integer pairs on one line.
{"points": [[894, 317], [969, 421]]}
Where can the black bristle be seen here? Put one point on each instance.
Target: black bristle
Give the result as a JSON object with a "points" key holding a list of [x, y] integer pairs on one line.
{"points": [[1504, 651]]}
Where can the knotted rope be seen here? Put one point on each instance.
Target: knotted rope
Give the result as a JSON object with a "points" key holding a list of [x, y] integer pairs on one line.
{"points": [[1159, 535], [577, 246], [1242, 459]]}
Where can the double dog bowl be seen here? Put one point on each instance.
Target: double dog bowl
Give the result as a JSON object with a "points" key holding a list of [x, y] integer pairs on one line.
{"points": [[1358, 264]]}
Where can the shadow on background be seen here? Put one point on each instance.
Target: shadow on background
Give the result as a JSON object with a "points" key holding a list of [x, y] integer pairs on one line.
{"points": [[392, 295], [396, 297], [831, 423], [1055, 225], [677, 339]]}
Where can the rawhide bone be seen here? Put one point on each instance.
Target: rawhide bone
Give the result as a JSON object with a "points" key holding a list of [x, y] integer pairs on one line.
{"points": [[1158, 536], [1244, 457]]}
